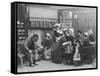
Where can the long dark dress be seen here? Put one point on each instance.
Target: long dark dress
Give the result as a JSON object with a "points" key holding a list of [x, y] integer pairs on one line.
{"points": [[69, 55], [86, 51], [58, 53]]}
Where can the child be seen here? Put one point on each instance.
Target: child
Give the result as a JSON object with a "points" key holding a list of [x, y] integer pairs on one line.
{"points": [[47, 47]]}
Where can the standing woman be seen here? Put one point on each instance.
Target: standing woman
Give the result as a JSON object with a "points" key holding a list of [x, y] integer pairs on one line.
{"points": [[58, 33], [58, 50], [92, 42]]}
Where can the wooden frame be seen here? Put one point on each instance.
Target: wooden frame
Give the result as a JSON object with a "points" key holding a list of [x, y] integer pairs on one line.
{"points": [[14, 14]]}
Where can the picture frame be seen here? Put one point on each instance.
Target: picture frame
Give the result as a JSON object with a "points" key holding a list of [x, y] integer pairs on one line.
{"points": [[29, 18]]}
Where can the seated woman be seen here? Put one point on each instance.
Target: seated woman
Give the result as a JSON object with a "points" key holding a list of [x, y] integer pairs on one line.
{"points": [[86, 50], [92, 42]]}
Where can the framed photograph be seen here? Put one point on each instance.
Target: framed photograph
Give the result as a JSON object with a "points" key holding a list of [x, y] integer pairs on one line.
{"points": [[53, 37]]}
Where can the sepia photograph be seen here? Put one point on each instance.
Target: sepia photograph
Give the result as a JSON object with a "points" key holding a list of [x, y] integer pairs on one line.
{"points": [[55, 37]]}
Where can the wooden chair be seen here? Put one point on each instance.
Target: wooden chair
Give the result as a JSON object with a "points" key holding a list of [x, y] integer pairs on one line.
{"points": [[20, 56]]}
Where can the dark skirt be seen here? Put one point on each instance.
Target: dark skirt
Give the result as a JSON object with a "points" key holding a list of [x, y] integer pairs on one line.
{"points": [[87, 53], [57, 55]]}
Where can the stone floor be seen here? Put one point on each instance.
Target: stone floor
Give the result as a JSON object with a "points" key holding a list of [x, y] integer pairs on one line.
{"points": [[48, 65]]}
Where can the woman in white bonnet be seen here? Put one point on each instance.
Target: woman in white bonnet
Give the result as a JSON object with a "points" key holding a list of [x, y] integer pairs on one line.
{"points": [[57, 32], [91, 37], [92, 42], [90, 31], [87, 49]]}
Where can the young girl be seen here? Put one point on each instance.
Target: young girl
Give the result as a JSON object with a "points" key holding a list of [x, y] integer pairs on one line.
{"points": [[68, 46]]}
